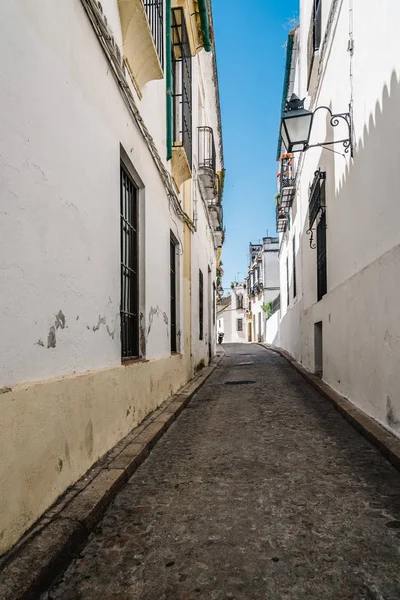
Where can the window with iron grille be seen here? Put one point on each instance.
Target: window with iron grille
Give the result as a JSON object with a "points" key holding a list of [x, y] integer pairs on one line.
{"points": [[287, 282], [182, 83], [294, 267], [314, 36], [317, 196], [214, 301], [321, 257], [173, 299], [239, 324], [129, 267], [239, 301], [155, 16], [201, 305]]}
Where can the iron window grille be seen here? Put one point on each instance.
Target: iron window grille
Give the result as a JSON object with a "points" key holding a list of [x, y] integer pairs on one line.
{"points": [[276, 304], [173, 311], [239, 324], [287, 282], [214, 301], [129, 267], [155, 16], [201, 306], [321, 257], [314, 36], [317, 196], [182, 83], [294, 268]]}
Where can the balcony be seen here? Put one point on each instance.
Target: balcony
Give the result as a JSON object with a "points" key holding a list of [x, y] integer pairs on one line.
{"points": [[287, 192], [207, 162], [142, 40], [281, 220], [219, 235], [317, 196], [287, 183]]}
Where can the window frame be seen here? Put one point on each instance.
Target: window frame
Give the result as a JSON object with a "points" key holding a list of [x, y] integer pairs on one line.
{"points": [[129, 266], [173, 293], [182, 76], [314, 36], [201, 305], [294, 267]]}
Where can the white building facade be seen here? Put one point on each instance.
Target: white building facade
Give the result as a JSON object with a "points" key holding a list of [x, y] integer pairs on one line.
{"points": [[231, 315], [338, 210], [262, 286], [111, 189]]}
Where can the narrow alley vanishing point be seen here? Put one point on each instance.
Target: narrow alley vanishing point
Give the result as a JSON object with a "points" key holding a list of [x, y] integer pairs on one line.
{"points": [[259, 490]]}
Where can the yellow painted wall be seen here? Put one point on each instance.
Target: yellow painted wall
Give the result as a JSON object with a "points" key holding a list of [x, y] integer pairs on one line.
{"points": [[53, 431]]}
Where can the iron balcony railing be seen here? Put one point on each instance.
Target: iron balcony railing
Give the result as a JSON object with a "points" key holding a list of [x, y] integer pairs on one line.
{"points": [[317, 196], [207, 162], [155, 16], [281, 220], [287, 191], [207, 156]]}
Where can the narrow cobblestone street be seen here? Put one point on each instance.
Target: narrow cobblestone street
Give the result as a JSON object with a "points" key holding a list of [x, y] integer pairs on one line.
{"points": [[260, 490]]}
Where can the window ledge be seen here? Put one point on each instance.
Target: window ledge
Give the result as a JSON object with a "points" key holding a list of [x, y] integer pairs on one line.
{"points": [[133, 361], [139, 49]]}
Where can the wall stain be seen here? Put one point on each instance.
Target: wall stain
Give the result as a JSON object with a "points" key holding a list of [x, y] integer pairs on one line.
{"points": [[101, 321], [51, 338], [77, 317], [60, 465], [142, 335], [67, 454], [5, 390], [156, 311], [391, 417], [40, 342], [89, 438], [110, 333], [60, 320]]}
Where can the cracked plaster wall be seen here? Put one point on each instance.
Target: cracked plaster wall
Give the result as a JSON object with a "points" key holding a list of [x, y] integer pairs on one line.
{"points": [[64, 122]]}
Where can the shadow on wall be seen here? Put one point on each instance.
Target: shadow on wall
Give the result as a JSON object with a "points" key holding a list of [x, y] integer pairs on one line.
{"points": [[363, 238], [363, 208]]}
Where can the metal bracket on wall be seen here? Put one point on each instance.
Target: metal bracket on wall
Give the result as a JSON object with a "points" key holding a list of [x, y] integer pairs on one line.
{"points": [[310, 232]]}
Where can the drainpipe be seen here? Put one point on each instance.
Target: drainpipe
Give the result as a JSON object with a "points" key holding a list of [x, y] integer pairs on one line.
{"points": [[168, 76], [205, 25]]}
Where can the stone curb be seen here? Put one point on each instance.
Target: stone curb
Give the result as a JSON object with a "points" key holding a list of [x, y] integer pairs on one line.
{"points": [[387, 443], [30, 568]]}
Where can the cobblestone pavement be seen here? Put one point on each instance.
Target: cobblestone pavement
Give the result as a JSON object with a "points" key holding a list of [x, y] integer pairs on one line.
{"points": [[259, 490]]}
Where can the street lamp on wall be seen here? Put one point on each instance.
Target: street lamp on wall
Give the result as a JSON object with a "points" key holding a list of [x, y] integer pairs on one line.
{"points": [[297, 123]]}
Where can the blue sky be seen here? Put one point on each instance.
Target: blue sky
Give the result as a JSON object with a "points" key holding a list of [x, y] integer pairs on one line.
{"points": [[249, 39]]}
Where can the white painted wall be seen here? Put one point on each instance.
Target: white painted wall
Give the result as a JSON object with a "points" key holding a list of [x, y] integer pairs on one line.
{"points": [[361, 324], [65, 129], [272, 329], [228, 317], [268, 262]]}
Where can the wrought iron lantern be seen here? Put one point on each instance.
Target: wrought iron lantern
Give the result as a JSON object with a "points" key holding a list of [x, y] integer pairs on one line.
{"points": [[297, 123]]}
